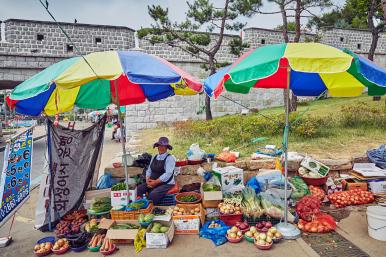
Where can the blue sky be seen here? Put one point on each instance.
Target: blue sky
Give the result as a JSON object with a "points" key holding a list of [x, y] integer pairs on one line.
{"points": [[130, 13]]}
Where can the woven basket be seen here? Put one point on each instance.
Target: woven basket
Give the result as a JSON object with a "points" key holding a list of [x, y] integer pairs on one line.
{"points": [[130, 215]]}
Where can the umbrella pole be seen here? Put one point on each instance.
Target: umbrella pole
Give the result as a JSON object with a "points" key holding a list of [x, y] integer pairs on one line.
{"points": [[123, 140], [288, 230]]}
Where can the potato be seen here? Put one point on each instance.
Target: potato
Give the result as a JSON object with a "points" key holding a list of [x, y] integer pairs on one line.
{"points": [[197, 210]]}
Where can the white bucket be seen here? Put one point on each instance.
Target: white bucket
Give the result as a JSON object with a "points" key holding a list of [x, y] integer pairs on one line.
{"points": [[376, 220]]}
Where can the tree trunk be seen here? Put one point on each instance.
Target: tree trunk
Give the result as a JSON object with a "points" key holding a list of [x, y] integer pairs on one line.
{"points": [[297, 21], [285, 22], [374, 34], [374, 43], [208, 110], [384, 9]]}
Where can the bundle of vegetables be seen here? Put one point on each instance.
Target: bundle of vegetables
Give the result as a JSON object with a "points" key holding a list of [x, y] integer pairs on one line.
{"points": [[107, 246], [125, 226], [299, 188], [351, 197], [188, 198], [233, 198], [250, 203], [139, 204], [145, 218], [317, 192], [82, 240], [304, 172], [121, 186], [96, 241], [320, 223], [139, 241], [101, 204], [307, 207], [208, 187]]}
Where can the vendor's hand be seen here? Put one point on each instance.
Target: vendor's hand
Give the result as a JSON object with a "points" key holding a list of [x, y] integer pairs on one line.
{"points": [[147, 180], [152, 183]]}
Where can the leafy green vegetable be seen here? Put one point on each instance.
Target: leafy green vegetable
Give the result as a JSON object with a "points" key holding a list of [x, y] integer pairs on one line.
{"points": [[207, 187]]}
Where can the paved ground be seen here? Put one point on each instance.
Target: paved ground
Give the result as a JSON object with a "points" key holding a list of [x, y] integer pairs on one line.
{"points": [[354, 228]]}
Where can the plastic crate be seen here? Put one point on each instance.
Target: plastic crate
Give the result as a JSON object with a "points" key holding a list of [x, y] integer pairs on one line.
{"points": [[231, 219], [130, 215], [168, 200], [252, 222]]}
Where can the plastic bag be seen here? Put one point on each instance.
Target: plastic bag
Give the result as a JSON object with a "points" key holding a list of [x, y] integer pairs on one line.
{"points": [[274, 178], [212, 184], [217, 235], [299, 187], [252, 183], [273, 205], [195, 153], [226, 157]]}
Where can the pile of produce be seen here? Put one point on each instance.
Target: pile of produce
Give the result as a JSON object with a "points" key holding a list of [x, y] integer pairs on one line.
{"points": [[125, 226], [101, 204], [351, 197], [91, 226], [145, 218], [317, 192], [273, 206], [233, 198], [139, 241], [299, 188], [304, 172], [139, 204], [188, 198], [307, 207], [263, 226], [250, 204], [43, 248], [208, 187], [228, 209], [61, 244], [81, 241], [242, 225], [121, 186], [268, 236], [234, 233], [159, 228], [158, 211], [107, 246], [183, 211], [67, 227], [213, 224], [75, 215], [96, 241], [321, 223]]}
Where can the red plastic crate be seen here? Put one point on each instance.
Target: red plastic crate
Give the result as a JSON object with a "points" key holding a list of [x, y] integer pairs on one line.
{"points": [[231, 219]]}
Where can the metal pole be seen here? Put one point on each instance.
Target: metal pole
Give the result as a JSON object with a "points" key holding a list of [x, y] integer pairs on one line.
{"points": [[5, 109], [123, 139], [286, 145]]}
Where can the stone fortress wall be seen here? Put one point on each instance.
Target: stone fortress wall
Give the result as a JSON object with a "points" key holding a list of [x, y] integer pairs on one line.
{"points": [[27, 46]]}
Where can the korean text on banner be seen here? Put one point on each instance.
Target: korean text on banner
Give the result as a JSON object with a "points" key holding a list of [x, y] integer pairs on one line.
{"points": [[15, 178]]}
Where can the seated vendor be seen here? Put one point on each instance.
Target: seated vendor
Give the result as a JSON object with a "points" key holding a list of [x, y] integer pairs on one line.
{"points": [[160, 174]]}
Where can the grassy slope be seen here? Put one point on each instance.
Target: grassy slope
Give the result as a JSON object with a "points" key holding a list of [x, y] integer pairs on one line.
{"points": [[335, 142]]}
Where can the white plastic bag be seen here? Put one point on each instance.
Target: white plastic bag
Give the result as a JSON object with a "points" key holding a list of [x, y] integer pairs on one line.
{"points": [[195, 153]]}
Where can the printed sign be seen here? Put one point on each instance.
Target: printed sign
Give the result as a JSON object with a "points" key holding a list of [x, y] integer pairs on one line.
{"points": [[15, 178]]}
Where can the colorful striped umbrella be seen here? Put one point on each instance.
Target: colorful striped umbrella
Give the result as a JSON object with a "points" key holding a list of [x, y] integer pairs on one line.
{"points": [[89, 82], [308, 69], [312, 68]]}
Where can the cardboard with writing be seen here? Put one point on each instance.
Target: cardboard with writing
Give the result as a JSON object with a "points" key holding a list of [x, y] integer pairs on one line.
{"points": [[160, 240]]}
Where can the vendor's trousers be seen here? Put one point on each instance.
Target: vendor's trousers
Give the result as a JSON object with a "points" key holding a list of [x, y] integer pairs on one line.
{"points": [[155, 194]]}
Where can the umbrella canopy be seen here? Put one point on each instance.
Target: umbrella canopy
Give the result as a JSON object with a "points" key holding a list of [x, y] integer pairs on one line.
{"points": [[311, 67], [89, 82]]}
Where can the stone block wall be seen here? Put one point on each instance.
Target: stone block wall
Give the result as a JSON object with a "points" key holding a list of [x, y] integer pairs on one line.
{"points": [[46, 38]]}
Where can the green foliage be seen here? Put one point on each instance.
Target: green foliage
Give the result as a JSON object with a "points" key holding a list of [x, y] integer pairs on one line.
{"points": [[363, 115], [290, 26], [237, 46], [354, 14]]}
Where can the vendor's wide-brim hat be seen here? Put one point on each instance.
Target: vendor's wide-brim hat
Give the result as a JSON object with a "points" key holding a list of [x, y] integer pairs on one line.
{"points": [[164, 141]]}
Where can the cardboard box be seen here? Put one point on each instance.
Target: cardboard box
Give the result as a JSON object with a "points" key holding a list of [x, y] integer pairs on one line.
{"points": [[378, 186], [211, 199], [160, 240], [106, 224], [123, 236], [231, 178], [120, 197], [353, 184], [315, 166], [212, 213], [166, 217], [189, 224]]}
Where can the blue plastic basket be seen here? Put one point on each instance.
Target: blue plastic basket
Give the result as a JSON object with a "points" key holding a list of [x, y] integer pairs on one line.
{"points": [[168, 200], [50, 239]]}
